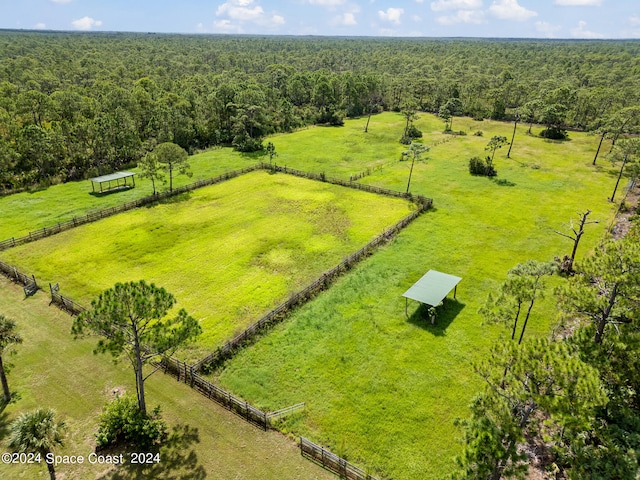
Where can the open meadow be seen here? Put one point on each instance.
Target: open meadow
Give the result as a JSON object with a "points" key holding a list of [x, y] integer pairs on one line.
{"points": [[381, 389], [228, 252]]}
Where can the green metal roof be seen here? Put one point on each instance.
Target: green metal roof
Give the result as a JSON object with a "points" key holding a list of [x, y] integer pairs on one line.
{"points": [[432, 288], [112, 176]]}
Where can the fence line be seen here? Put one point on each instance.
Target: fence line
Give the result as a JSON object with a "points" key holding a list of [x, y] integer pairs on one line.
{"points": [[92, 217], [279, 313], [186, 373], [286, 411], [346, 183], [12, 273], [332, 462], [66, 304]]}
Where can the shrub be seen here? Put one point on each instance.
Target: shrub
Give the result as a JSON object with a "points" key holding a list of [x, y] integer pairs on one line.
{"points": [[478, 133], [554, 133], [478, 166], [414, 132], [405, 140], [122, 423], [247, 144]]}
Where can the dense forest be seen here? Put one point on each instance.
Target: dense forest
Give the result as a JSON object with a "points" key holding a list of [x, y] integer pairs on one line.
{"points": [[79, 104]]}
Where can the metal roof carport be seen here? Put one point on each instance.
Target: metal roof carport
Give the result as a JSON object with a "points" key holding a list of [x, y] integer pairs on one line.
{"points": [[432, 288], [113, 177]]}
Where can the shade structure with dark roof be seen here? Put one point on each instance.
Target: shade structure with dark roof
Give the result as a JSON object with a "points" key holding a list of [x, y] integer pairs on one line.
{"points": [[113, 177], [432, 288]]}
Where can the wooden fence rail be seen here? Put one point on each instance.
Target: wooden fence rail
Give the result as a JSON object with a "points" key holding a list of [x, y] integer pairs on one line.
{"points": [[92, 217], [27, 281], [345, 183], [332, 462], [286, 411], [279, 313], [186, 373], [66, 304]]}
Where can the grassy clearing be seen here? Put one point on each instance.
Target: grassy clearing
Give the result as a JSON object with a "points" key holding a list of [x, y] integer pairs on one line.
{"points": [[383, 389], [229, 252], [53, 370], [28, 211]]}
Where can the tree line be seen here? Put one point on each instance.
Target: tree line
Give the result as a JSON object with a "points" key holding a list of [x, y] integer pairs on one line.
{"points": [[80, 104], [569, 402]]}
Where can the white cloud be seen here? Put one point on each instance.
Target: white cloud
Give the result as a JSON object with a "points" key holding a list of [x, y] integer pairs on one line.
{"points": [[441, 5], [416, 18], [244, 11], [634, 20], [225, 26], [579, 3], [462, 16], [86, 23], [327, 3], [40, 26], [391, 15], [510, 10], [582, 32], [548, 29], [347, 19]]}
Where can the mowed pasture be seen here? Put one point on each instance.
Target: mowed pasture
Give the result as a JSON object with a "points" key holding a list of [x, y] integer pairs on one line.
{"points": [[52, 370], [228, 252], [382, 389]]}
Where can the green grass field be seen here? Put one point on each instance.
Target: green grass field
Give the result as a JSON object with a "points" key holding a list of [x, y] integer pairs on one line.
{"points": [[229, 252], [382, 389], [54, 371], [29, 211]]}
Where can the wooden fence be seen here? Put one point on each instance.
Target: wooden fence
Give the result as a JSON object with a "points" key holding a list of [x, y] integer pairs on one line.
{"points": [[276, 315], [186, 373], [12, 273], [65, 303], [92, 217], [321, 177], [332, 462]]}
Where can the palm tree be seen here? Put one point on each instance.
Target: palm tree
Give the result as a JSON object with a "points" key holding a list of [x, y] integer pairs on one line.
{"points": [[37, 432], [8, 336]]}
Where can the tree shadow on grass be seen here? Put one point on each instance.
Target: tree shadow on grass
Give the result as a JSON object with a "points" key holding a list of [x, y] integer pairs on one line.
{"points": [[258, 155], [178, 460], [179, 198], [4, 422], [446, 313], [105, 193]]}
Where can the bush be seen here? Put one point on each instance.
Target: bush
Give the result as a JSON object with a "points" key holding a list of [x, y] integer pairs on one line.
{"points": [[406, 140], [122, 423], [414, 132], [478, 133], [246, 144], [554, 133], [478, 166]]}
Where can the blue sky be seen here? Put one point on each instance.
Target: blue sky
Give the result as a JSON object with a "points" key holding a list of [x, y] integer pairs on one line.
{"points": [[431, 18]]}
